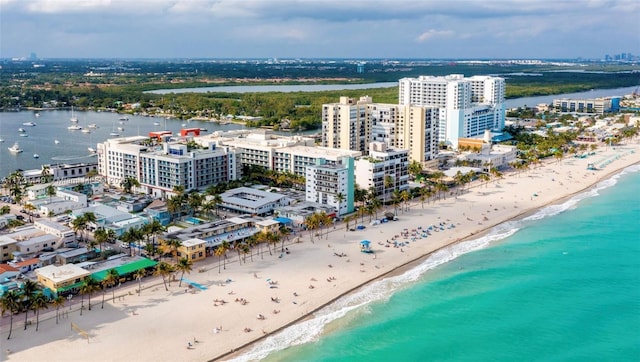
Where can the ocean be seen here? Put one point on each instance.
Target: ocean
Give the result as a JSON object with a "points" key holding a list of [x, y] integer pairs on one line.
{"points": [[560, 285]]}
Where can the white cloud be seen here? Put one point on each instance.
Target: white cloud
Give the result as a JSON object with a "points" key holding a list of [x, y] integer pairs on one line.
{"points": [[433, 33]]}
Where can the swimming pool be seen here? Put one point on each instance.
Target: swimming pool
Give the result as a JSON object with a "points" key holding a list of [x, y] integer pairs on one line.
{"points": [[193, 220]]}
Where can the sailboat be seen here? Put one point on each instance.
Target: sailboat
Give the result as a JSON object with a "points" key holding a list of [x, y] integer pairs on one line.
{"points": [[73, 119], [15, 148], [56, 141], [113, 131]]}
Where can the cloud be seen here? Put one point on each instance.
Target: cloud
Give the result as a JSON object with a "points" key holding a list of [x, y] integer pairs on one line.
{"points": [[433, 33]]}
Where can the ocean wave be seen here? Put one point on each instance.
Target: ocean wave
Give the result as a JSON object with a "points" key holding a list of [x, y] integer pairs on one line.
{"points": [[381, 290], [571, 203]]}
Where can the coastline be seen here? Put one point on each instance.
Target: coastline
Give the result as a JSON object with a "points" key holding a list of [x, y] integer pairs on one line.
{"points": [[308, 260]]}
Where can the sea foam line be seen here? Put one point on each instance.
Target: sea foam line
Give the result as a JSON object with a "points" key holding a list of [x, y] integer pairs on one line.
{"points": [[381, 290]]}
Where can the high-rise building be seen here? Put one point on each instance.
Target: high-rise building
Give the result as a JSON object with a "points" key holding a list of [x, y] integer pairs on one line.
{"points": [[385, 169], [332, 184], [467, 106], [353, 124]]}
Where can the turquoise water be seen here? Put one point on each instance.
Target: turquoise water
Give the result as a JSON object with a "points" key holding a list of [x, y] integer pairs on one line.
{"points": [[562, 285]]}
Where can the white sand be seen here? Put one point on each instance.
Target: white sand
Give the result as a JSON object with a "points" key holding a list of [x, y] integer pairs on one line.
{"points": [[164, 322]]}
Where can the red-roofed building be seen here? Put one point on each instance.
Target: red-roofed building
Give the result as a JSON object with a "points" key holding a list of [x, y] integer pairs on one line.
{"points": [[27, 265], [7, 272]]}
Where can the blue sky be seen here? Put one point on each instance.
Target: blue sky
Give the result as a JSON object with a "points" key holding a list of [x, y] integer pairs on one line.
{"points": [[319, 29]]}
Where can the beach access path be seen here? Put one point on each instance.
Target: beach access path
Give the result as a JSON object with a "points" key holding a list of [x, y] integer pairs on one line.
{"points": [[250, 300]]}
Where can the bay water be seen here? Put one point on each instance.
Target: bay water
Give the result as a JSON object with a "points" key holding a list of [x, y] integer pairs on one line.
{"points": [[560, 285]]}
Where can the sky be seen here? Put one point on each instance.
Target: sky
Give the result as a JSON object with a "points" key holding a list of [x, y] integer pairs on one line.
{"points": [[356, 29]]}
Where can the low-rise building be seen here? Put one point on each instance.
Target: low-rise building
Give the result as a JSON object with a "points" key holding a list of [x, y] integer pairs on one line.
{"points": [[215, 233], [498, 156], [61, 278], [193, 249], [268, 225], [246, 200]]}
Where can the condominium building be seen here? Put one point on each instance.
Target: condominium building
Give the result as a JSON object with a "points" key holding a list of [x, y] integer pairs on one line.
{"points": [[346, 124], [593, 105], [353, 124], [467, 106], [386, 170], [332, 184], [160, 168], [275, 152]]}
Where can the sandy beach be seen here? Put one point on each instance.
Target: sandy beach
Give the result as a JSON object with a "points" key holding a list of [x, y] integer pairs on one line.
{"points": [[251, 300]]}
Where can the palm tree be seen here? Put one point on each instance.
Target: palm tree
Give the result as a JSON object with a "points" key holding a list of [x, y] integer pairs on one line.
{"points": [[163, 269], [46, 175], [184, 265], [51, 191], [194, 201], [219, 252], [339, 199], [100, 235], [139, 274], [387, 183], [58, 302], [10, 302], [312, 223], [88, 286], [30, 208], [173, 244], [110, 280], [174, 206], [39, 301], [29, 289], [128, 183], [78, 224]]}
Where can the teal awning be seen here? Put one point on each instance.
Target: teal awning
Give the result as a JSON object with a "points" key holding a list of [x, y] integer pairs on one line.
{"points": [[126, 268]]}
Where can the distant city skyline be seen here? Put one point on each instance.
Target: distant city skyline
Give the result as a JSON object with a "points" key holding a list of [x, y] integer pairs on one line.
{"points": [[462, 29]]}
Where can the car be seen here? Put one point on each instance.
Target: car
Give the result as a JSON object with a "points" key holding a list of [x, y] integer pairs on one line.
{"points": [[124, 245], [19, 217], [48, 249], [23, 211]]}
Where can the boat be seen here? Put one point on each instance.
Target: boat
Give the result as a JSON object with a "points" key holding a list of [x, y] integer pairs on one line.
{"points": [[114, 134], [74, 127], [1, 139], [120, 129], [184, 125], [56, 141], [15, 148], [37, 114], [30, 124], [35, 155], [123, 119], [73, 118], [91, 149], [93, 125], [156, 123], [24, 135], [86, 130], [21, 129], [203, 130]]}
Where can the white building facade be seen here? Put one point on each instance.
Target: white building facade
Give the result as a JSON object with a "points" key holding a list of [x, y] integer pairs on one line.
{"points": [[467, 106], [332, 185], [383, 163]]}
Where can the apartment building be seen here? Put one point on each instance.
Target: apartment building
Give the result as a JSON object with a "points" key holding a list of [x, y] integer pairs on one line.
{"points": [[594, 105], [331, 184], [161, 167], [467, 106], [353, 124], [386, 170]]}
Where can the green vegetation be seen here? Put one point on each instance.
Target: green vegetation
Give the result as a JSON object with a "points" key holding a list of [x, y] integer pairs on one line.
{"points": [[115, 85]]}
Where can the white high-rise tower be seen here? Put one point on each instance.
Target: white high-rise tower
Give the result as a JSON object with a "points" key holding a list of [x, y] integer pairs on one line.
{"points": [[468, 106]]}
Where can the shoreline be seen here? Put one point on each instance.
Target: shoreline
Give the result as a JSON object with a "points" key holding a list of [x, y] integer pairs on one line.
{"points": [[409, 265], [167, 316]]}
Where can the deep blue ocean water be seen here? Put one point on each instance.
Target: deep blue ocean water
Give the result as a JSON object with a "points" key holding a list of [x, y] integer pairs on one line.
{"points": [[561, 285]]}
